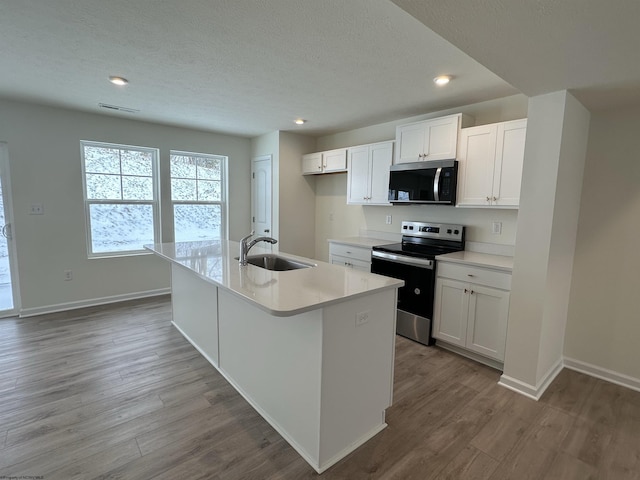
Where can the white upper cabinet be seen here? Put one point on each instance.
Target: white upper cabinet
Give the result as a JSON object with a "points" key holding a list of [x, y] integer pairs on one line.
{"points": [[368, 174], [312, 163], [434, 139], [490, 168], [325, 162]]}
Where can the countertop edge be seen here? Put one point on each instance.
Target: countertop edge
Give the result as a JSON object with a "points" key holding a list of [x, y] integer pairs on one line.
{"points": [[484, 260], [279, 313], [364, 242]]}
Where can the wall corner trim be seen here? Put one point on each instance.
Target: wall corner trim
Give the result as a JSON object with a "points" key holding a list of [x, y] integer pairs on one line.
{"points": [[91, 302], [532, 391], [603, 373]]}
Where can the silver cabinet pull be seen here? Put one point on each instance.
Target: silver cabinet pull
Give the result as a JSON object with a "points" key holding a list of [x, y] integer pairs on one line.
{"points": [[469, 275]]}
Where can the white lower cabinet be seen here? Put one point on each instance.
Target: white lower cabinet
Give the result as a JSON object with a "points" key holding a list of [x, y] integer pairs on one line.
{"points": [[350, 256], [471, 308]]}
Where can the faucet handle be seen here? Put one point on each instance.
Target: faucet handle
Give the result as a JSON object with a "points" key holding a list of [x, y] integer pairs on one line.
{"points": [[248, 236]]}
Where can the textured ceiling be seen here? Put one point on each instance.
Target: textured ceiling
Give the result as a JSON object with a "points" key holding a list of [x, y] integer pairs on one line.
{"points": [[589, 47], [238, 66]]}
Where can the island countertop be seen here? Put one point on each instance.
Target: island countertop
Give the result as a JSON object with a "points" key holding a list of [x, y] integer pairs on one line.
{"points": [[278, 293]]}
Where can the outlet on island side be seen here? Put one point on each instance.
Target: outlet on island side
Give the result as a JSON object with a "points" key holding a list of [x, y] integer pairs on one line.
{"points": [[388, 220], [496, 228], [362, 318], [68, 275]]}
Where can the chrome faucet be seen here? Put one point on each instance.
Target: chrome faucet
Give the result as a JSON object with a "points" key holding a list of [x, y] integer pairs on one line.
{"points": [[245, 247]]}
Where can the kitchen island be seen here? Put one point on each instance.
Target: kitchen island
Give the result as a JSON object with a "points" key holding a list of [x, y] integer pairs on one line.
{"points": [[310, 349]]}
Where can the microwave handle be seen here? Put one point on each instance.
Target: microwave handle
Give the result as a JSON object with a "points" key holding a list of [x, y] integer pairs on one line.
{"points": [[436, 185]]}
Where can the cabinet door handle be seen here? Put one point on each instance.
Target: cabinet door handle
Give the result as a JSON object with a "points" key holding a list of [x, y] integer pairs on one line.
{"points": [[466, 291], [470, 275], [319, 167], [495, 198], [488, 199], [471, 292], [419, 155]]}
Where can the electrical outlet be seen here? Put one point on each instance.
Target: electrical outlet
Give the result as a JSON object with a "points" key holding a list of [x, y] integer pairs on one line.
{"points": [[68, 275], [362, 318], [36, 209], [496, 228], [388, 220]]}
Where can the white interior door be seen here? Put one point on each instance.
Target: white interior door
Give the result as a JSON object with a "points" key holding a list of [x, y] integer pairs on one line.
{"points": [[9, 298], [261, 195]]}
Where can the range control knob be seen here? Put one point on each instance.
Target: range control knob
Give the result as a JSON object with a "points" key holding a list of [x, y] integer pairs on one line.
{"points": [[449, 231], [456, 232]]}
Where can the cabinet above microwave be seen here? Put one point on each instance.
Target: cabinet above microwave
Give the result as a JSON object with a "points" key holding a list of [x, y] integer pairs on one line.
{"points": [[433, 139]]}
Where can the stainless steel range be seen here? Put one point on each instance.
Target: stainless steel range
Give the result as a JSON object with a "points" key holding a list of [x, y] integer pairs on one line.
{"points": [[413, 260]]}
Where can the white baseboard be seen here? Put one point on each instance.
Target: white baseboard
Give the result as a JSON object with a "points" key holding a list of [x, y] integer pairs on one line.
{"points": [[532, 391], [92, 302], [603, 373]]}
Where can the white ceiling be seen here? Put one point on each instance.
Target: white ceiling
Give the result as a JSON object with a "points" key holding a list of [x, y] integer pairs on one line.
{"points": [[249, 67], [590, 47]]}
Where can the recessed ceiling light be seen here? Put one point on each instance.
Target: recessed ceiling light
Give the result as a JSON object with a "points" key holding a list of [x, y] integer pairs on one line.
{"points": [[442, 79], [118, 80], [300, 121]]}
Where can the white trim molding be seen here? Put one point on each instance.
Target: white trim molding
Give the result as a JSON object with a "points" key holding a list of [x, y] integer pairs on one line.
{"points": [[603, 373], [532, 391], [91, 302]]}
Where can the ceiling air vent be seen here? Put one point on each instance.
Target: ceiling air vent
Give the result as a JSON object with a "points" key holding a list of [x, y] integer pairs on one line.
{"points": [[118, 108]]}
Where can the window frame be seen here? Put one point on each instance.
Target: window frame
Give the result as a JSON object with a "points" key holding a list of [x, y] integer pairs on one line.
{"points": [[155, 202], [224, 227]]}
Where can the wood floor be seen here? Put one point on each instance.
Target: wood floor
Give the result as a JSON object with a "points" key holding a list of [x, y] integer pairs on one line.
{"points": [[115, 392]]}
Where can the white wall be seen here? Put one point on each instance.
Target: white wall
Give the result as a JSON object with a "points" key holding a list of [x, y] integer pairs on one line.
{"points": [[297, 196], [335, 219], [557, 131], [603, 325], [44, 154]]}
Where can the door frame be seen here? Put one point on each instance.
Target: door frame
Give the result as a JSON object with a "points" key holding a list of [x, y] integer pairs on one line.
{"points": [[5, 177]]}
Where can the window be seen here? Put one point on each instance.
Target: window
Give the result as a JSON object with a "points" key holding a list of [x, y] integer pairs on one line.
{"points": [[197, 194], [121, 198]]}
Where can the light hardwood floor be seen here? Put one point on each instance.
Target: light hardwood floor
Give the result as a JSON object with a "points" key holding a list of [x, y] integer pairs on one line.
{"points": [[115, 392]]}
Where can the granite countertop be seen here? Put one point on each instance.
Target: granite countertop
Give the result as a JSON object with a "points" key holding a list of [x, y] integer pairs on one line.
{"points": [[279, 293], [466, 257], [360, 241]]}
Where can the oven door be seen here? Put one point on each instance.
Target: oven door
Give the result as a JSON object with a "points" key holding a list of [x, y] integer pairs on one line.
{"points": [[415, 299]]}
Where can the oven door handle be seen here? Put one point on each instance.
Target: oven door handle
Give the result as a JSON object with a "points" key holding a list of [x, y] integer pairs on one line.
{"points": [[414, 262]]}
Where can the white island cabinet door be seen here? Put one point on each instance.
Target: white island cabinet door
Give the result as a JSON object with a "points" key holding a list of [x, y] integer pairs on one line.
{"points": [[450, 311], [358, 176]]}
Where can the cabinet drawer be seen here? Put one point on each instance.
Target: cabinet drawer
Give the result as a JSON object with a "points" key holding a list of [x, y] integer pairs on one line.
{"points": [[351, 263], [480, 276], [349, 251]]}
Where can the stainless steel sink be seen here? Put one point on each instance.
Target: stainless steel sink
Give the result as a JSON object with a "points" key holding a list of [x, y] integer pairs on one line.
{"points": [[276, 263]]}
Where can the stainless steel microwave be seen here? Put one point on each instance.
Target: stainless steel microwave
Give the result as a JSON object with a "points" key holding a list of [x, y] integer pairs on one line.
{"points": [[428, 182]]}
